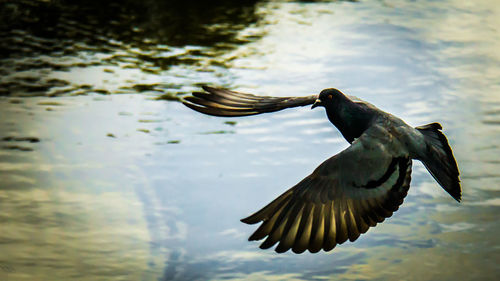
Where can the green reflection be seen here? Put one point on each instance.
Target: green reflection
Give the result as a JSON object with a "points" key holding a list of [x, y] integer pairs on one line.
{"points": [[58, 48]]}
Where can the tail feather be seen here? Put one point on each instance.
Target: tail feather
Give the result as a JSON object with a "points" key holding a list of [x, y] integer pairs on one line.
{"points": [[439, 160]]}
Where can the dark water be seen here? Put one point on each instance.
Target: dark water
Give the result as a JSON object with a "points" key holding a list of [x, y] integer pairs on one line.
{"points": [[105, 176]]}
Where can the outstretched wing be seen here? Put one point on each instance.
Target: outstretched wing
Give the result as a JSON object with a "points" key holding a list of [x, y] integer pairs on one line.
{"points": [[222, 102], [341, 199]]}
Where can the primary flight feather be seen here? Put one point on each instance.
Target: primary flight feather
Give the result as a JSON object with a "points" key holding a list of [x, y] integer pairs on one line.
{"points": [[351, 191]]}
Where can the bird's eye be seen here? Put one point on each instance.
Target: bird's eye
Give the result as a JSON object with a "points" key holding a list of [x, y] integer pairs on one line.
{"points": [[330, 96]]}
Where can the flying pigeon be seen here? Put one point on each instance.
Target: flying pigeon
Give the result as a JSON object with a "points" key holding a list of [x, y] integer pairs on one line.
{"points": [[351, 191]]}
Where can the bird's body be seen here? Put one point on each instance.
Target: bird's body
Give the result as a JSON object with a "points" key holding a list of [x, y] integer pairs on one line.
{"points": [[351, 191]]}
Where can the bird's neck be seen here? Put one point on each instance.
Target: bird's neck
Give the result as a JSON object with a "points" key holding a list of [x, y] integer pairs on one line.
{"points": [[351, 119]]}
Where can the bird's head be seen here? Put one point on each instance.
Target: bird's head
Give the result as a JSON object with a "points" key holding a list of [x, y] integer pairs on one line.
{"points": [[328, 97]]}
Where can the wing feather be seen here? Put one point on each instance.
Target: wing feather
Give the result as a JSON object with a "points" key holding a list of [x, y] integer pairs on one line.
{"points": [[266, 227], [345, 196], [223, 102], [317, 231], [290, 231], [330, 228], [304, 231], [341, 223]]}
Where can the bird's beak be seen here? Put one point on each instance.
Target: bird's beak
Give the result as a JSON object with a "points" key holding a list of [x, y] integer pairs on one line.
{"points": [[316, 103]]}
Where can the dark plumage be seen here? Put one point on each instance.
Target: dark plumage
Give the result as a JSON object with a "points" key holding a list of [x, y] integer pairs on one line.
{"points": [[353, 190]]}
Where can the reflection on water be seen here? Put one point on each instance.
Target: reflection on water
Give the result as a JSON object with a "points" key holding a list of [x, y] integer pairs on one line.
{"points": [[81, 47], [97, 185]]}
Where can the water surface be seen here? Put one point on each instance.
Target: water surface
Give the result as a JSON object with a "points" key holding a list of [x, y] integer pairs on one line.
{"points": [[106, 176]]}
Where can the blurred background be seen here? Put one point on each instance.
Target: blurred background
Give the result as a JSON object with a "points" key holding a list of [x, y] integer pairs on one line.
{"points": [[105, 175]]}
